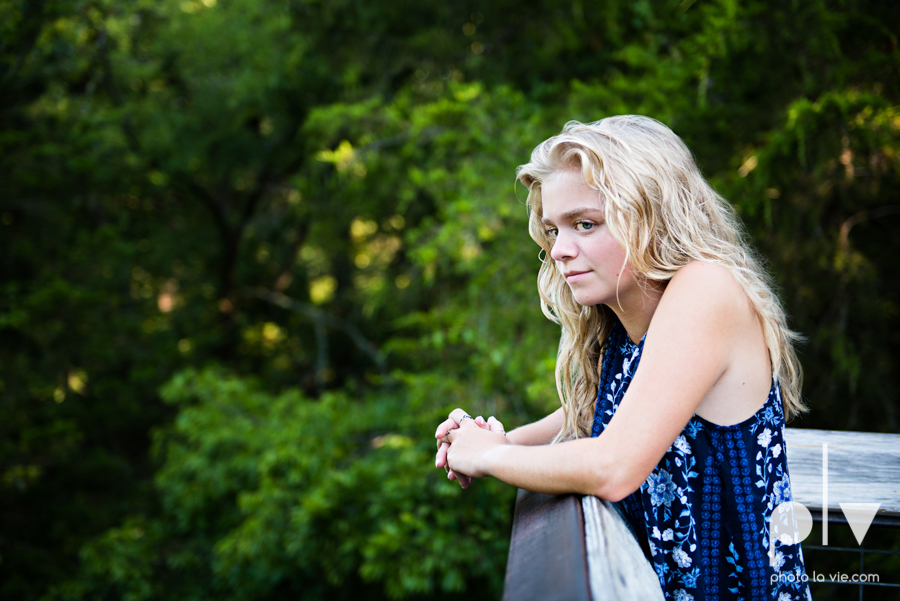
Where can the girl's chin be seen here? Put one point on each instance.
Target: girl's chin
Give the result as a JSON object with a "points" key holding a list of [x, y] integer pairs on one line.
{"points": [[587, 300]]}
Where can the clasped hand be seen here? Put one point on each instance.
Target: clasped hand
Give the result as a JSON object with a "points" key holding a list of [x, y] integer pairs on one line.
{"points": [[463, 441]]}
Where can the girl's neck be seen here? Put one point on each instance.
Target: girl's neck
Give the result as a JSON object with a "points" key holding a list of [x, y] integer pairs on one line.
{"points": [[636, 313]]}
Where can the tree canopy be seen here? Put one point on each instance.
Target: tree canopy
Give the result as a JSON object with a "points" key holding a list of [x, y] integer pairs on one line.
{"points": [[251, 252]]}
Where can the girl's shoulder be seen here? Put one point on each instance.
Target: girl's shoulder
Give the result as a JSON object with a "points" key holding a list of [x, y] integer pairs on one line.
{"points": [[706, 272], [715, 314], [709, 287]]}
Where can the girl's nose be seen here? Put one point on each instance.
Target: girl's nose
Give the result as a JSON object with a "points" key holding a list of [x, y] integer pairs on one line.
{"points": [[563, 248]]}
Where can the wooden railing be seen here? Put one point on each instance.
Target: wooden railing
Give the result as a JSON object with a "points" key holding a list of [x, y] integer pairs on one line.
{"points": [[575, 549], [581, 549], [547, 555], [862, 468]]}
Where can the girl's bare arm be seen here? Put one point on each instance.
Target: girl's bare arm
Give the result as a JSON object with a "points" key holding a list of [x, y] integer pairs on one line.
{"points": [[690, 344]]}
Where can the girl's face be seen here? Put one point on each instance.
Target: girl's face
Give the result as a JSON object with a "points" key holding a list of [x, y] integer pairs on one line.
{"points": [[584, 251]]}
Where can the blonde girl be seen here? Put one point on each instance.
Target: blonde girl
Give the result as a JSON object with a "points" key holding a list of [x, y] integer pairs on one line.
{"points": [[676, 368]]}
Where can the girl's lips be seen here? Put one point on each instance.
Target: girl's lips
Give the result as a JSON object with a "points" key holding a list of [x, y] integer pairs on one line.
{"points": [[574, 276]]}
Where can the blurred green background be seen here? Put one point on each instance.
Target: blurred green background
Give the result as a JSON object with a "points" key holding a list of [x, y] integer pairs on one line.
{"points": [[252, 251]]}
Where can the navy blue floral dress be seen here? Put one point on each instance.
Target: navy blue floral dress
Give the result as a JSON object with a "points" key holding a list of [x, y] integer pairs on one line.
{"points": [[704, 511]]}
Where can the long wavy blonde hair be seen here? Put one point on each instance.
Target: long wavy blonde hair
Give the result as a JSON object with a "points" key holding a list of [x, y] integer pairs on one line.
{"points": [[664, 214]]}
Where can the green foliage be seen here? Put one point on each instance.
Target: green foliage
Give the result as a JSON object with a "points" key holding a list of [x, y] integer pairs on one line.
{"points": [[251, 251], [266, 495], [820, 223]]}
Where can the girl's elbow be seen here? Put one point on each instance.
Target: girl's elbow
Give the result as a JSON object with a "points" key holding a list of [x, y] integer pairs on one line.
{"points": [[614, 492], [616, 484]]}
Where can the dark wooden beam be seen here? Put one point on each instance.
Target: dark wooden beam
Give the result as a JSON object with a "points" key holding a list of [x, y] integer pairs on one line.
{"points": [[547, 557]]}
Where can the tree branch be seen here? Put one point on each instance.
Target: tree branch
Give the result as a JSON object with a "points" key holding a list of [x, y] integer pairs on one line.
{"points": [[860, 217], [284, 277], [320, 317]]}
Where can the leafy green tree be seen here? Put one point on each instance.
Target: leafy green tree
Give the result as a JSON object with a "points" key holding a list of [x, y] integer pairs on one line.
{"points": [[298, 221], [262, 496]]}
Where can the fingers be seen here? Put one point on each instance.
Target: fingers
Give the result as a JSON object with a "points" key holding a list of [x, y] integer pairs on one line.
{"points": [[454, 421], [457, 415], [440, 459], [442, 434], [494, 425], [478, 421], [444, 427], [464, 481]]}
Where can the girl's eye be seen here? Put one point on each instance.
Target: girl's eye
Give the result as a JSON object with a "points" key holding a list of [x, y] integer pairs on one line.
{"points": [[584, 226], [551, 232]]}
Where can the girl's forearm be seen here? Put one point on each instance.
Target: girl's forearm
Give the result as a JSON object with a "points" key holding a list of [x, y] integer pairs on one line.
{"points": [[576, 466]]}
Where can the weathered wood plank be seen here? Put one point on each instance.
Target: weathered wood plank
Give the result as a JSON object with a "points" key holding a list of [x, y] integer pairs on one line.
{"points": [[863, 467], [617, 566], [547, 559]]}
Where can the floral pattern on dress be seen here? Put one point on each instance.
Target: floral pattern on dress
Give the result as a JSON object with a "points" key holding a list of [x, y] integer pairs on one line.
{"points": [[705, 509]]}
